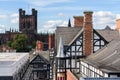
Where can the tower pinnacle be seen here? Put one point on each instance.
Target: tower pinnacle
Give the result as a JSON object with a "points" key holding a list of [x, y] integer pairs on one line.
{"points": [[69, 23]]}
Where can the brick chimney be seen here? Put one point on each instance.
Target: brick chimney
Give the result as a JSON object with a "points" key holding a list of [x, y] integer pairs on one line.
{"points": [[88, 33], [78, 21], [118, 24], [39, 46], [51, 41]]}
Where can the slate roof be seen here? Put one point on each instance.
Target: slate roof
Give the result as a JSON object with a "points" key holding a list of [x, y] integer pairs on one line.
{"points": [[107, 59], [67, 34], [44, 54], [75, 37], [108, 34]]}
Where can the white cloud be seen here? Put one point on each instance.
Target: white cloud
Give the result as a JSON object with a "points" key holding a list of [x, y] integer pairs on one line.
{"points": [[117, 16], [3, 16], [42, 30], [63, 8], [14, 15], [51, 25], [103, 13], [46, 2], [2, 27], [100, 20], [54, 23], [14, 18], [61, 14], [104, 18]]}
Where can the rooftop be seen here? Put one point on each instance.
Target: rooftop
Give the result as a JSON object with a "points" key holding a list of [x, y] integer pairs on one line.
{"points": [[44, 54], [67, 34], [108, 34], [9, 62], [107, 58], [11, 56]]}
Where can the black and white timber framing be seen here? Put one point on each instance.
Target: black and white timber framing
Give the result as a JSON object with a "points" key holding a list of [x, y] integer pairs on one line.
{"points": [[74, 51], [40, 68]]}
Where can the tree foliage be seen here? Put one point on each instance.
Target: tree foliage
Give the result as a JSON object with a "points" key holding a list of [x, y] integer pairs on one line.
{"points": [[20, 43], [9, 43]]}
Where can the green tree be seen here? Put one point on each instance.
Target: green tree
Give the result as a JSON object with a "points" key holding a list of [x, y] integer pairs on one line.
{"points": [[9, 43], [20, 43]]}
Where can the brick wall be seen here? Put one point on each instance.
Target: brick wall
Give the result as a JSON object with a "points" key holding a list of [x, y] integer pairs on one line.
{"points": [[70, 76], [118, 24], [88, 33], [39, 46], [78, 21], [51, 41]]}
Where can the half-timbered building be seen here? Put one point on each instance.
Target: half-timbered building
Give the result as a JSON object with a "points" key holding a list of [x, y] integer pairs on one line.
{"points": [[40, 68], [89, 52]]}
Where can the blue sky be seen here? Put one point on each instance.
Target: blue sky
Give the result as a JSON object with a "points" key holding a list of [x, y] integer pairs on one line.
{"points": [[52, 13]]}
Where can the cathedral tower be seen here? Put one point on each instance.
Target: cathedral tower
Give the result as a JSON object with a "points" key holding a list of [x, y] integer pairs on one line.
{"points": [[28, 23]]}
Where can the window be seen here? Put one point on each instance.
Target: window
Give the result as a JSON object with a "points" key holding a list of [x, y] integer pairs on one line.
{"points": [[113, 75], [45, 66], [35, 66]]}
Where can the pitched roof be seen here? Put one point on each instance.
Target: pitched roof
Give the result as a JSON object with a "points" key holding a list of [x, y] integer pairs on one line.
{"points": [[75, 37], [44, 54], [107, 58], [108, 34], [67, 34]]}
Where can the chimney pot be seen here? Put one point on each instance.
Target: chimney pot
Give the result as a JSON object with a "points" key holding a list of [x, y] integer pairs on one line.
{"points": [[118, 24], [78, 21], [88, 33], [39, 46], [50, 41]]}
